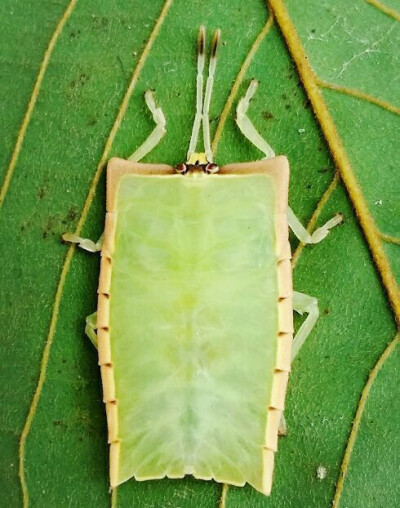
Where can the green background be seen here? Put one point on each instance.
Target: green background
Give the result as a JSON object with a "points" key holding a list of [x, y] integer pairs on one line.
{"points": [[348, 43]]}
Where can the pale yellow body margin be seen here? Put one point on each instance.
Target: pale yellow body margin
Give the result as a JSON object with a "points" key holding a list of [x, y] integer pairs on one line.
{"points": [[338, 152], [278, 169]]}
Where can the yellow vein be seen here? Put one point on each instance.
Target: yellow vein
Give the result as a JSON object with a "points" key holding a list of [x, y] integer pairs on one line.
{"points": [[317, 212], [114, 497], [339, 154], [359, 95], [238, 81], [389, 238], [225, 488], [386, 10], [71, 250], [357, 420], [33, 99]]}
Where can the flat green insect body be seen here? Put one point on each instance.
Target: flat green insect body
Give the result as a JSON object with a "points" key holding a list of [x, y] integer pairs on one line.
{"points": [[194, 320]]}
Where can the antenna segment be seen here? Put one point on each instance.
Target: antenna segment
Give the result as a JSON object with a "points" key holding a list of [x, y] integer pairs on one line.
{"points": [[202, 109], [207, 98], [201, 41]]}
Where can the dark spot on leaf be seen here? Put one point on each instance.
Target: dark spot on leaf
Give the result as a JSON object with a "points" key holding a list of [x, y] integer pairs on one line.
{"points": [[288, 106], [71, 215], [75, 84], [99, 22], [83, 79], [25, 225], [92, 121], [267, 115], [41, 192], [59, 423], [326, 311], [323, 170], [51, 221], [121, 64]]}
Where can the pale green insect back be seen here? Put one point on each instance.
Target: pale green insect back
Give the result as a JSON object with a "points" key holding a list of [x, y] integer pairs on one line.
{"points": [[194, 320]]}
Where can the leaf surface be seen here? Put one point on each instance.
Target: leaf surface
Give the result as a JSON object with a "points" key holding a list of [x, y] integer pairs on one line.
{"points": [[48, 293]]}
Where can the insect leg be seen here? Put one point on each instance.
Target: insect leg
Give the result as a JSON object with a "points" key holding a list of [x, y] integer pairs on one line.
{"points": [[282, 429], [319, 234], [207, 97], [199, 92], [245, 125], [301, 303], [158, 132], [90, 328], [304, 303], [84, 243]]}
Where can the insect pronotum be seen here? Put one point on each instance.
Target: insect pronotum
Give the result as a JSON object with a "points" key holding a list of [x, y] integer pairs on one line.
{"points": [[195, 301]]}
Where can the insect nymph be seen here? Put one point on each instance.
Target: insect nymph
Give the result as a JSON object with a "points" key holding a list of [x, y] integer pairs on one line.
{"points": [[194, 320]]}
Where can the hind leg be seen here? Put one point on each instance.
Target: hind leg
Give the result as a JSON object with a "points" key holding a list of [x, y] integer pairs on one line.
{"points": [[90, 328], [302, 304]]}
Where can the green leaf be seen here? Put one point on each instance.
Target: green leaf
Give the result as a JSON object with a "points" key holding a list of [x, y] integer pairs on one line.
{"points": [[48, 293]]}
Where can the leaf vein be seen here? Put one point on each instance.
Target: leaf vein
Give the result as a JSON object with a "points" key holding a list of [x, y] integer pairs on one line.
{"points": [[359, 95], [389, 238], [383, 8], [224, 494], [32, 101], [339, 153], [359, 413]]}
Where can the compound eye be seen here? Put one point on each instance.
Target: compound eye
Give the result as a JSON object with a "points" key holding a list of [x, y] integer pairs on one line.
{"points": [[181, 169], [211, 168]]}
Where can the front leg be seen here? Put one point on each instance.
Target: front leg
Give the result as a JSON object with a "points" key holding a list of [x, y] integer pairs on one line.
{"points": [[246, 126], [319, 234], [158, 132]]}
